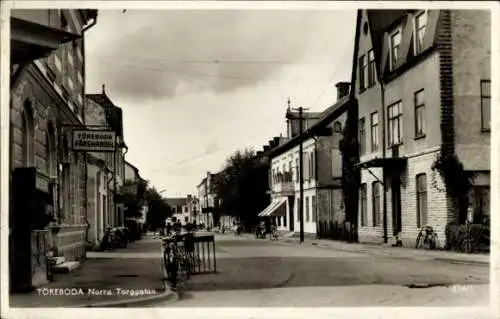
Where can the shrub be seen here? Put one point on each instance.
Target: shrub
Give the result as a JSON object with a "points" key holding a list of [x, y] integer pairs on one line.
{"points": [[471, 238]]}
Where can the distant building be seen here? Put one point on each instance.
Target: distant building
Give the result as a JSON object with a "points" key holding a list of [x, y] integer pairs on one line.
{"points": [[182, 209], [208, 201], [323, 205], [114, 160]]}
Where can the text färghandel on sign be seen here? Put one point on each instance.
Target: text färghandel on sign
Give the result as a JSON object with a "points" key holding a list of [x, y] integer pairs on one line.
{"points": [[94, 140]]}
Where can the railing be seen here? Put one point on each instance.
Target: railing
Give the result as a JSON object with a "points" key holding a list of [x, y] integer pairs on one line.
{"points": [[204, 252], [284, 187]]}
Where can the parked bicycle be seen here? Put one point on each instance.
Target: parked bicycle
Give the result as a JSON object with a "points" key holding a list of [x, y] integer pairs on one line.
{"points": [[178, 258], [427, 238]]}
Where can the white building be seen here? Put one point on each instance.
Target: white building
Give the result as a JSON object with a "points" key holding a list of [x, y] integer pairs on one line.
{"points": [[322, 170]]}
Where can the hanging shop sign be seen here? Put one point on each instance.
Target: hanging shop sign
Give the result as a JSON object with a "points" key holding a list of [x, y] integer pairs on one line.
{"points": [[94, 140]]}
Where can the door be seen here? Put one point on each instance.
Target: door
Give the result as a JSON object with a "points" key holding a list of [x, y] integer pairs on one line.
{"points": [[396, 205], [291, 205]]}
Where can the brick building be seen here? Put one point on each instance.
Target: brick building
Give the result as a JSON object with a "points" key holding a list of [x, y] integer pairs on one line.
{"points": [[422, 86], [48, 206], [322, 170]]}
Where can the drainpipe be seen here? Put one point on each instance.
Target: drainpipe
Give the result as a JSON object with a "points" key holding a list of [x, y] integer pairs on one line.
{"points": [[123, 170], [384, 184], [110, 179], [94, 21]]}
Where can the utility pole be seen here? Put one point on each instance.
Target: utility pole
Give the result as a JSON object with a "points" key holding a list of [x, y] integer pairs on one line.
{"points": [[301, 174]]}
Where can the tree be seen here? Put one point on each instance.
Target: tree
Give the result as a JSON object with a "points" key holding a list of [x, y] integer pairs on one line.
{"points": [[242, 186], [134, 197], [158, 209]]}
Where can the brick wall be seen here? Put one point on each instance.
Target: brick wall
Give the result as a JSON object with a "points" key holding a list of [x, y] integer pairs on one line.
{"points": [[438, 206]]}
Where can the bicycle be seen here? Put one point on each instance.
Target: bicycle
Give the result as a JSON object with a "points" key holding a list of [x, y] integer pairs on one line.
{"points": [[427, 238]]}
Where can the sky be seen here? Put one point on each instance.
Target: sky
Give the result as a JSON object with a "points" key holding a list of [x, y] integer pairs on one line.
{"points": [[197, 85]]}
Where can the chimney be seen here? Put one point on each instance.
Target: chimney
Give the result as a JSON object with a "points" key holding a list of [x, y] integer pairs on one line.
{"points": [[342, 89], [266, 148], [276, 140], [104, 89]]}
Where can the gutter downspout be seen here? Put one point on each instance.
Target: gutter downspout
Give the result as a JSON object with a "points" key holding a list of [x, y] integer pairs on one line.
{"points": [[315, 172], [384, 184], [123, 212], [94, 21]]}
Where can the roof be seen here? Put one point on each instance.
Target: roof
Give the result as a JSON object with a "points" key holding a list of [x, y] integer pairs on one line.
{"points": [[382, 21], [176, 201], [326, 117], [133, 167], [306, 115], [114, 114]]}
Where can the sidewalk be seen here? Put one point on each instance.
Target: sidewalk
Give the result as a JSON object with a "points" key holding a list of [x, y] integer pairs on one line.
{"points": [[396, 252], [121, 278]]}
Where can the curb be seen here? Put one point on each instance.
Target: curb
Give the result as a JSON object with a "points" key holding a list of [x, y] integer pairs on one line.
{"points": [[167, 295], [393, 255]]}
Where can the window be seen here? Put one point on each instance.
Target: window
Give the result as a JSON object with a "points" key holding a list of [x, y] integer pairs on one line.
{"points": [[395, 124], [371, 69], [374, 131], [285, 219], [362, 73], [420, 23], [314, 211], [57, 63], [481, 204], [364, 208], [297, 169], [313, 165], [419, 114], [395, 42], [289, 173], [485, 105], [376, 203], [63, 21], [28, 132], [337, 127], [186, 219], [51, 157], [307, 209], [362, 136], [421, 200]]}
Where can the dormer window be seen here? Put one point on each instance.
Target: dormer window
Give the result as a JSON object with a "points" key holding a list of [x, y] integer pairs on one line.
{"points": [[395, 42], [420, 23]]}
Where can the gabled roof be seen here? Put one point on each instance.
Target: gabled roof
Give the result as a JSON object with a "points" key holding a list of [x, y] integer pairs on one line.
{"points": [[382, 21], [176, 201], [114, 114], [326, 117]]}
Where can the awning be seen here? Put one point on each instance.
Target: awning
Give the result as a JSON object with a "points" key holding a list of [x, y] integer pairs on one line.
{"points": [[272, 209]]}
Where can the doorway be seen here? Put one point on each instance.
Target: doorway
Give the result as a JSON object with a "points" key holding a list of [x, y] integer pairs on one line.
{"points": [[396, 205], [291, 207]]}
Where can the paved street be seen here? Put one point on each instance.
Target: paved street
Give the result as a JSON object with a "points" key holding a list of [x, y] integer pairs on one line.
{"points": [[260, 273]]}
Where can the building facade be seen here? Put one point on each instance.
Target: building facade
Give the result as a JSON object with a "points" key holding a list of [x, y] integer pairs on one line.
{"points": [[99, 173], [423, 90], [48, 202], [182, 209], [208, 201], [114, 160], [323, 208]]}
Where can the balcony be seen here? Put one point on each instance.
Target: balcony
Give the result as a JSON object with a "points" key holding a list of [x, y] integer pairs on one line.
{"points": [[283, 183]]}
